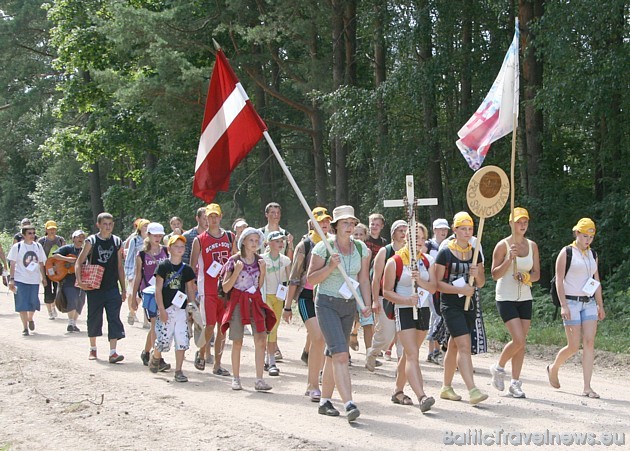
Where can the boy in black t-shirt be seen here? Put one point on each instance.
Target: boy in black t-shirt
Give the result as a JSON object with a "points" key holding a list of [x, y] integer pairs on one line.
{"points": [[174, 286]]}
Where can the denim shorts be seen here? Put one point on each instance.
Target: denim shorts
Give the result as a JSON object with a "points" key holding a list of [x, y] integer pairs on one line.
{"points": [[581, 311]]}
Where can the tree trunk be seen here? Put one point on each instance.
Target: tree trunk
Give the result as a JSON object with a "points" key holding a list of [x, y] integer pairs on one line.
{"points": [[380, 66], [96, 199], [529, 12], [466, 74], [319, 160], [431, 141], [341, 173]]}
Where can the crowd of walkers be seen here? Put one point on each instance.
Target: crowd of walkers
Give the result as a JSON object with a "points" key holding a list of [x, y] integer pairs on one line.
{"points": [[209, 284]]}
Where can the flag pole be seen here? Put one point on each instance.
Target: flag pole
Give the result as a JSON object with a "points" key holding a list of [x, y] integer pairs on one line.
{"points": [[319, 230]]}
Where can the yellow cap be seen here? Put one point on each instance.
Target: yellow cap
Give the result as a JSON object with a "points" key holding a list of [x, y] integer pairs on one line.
{"points": [[50, 225], [213, 209], [586, 226], [463, 219], [519, 212], [320, 213], [175, 238]]}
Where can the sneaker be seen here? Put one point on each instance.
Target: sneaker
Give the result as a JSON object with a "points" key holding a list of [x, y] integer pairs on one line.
{"points": [[315, 395], [449, 393], [261, 385], [236, 383], [378, 363], [75, 328], [328, 409], [515, 390], [92, 355], [115, 358], [180, 377], [210, 359], [476, 396], [278, 355], [352, 412], [247, 330], [304, 357], [70, 328], [146, 324], [370, 363], [221, 372], [164, 366], [266, 367], [31, 325], [54, 312], [145, 356], [430, 358], [51, 316], [131, 319], [25, 333], [274, 371], [497, 377], [154, 365], [388, 355]]}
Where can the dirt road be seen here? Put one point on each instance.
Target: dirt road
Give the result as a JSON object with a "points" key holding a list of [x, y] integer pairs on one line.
{"points": [[53, 397]]}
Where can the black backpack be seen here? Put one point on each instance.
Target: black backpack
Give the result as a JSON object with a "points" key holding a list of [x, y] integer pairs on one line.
{"points": [[555, 299]]}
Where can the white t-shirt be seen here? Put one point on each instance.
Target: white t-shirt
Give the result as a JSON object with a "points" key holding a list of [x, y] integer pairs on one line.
{"points": [[276, 272], [405, 284], [27, 259]]}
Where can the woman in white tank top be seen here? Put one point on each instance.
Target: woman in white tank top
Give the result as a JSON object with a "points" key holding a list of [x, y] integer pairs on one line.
{"points": [[515, 265], [581, 300]]}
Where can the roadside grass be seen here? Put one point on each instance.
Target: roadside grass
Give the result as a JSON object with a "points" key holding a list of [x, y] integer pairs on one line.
{"points": [[612, 333]]}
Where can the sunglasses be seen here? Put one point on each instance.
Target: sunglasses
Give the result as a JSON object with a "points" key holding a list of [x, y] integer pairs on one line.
{"points": [[30, 233]]}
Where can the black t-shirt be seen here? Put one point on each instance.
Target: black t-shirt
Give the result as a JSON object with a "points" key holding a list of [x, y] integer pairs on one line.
{"points": [[455, 268], [374, 245], [105, 253], [167, 270], [64, 251]]}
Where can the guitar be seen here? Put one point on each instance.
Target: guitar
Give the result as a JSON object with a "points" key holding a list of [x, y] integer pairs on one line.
{"points": [[57, 270]]}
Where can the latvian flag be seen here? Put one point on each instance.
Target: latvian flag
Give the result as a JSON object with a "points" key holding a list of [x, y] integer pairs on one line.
{"points": [[231, 128]]}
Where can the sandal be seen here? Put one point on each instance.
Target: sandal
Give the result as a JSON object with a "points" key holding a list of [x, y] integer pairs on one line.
{"points": [[555, 383], [400, 398], [425, 403], [591, 394], [200, 363], [354, 342]]}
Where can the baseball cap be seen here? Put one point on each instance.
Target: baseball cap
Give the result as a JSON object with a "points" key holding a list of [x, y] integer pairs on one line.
{"points": [[175, 238], [275, 235], [155, 228], [519, 212], [441, 223], [213, 209], [77, 233], [320, 213], [50, 225]]}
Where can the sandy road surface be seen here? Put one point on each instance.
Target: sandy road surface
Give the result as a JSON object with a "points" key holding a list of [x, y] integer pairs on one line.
{"points": [[50, 398]]}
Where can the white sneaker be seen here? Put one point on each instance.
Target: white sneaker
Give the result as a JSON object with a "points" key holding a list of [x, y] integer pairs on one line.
{"points": [[515, 389], [236, 383], [54, 312], [497, 377]]}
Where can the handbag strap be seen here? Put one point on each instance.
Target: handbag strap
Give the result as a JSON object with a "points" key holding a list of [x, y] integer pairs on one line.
{"points": [[179, 271]]}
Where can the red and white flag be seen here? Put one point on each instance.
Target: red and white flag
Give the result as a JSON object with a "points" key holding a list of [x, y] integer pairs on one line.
{"points": [[495, 116], [231, 128]]}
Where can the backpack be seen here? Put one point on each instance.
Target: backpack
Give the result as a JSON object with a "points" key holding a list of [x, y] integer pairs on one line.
{"points": [[388, 307], [553, 291]]}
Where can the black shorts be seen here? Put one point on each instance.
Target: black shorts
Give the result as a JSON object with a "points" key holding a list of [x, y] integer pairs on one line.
{"points": [[508, 310], [458, 321], [306, 306], [404, 319]]}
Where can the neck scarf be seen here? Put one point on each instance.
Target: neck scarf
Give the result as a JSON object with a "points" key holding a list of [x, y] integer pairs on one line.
{"points": [[314, 236], [584, 252], [405, 255], [452, 245]]}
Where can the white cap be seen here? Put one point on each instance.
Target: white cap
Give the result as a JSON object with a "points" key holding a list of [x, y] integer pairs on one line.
{"points": [[441, 223], [76, 233], [155, 228]]}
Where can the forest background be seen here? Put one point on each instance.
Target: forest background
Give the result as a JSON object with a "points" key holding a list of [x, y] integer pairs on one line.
{"points": [[101, 103]]}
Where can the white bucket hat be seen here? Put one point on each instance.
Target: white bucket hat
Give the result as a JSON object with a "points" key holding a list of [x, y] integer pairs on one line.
{"points": [[343, 212]]}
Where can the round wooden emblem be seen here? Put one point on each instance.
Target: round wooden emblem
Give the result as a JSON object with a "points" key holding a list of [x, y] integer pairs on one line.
{"points": [[488, 191]]}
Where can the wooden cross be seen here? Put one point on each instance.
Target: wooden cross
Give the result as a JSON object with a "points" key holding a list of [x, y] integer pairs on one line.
{"points": [[410, 203]]}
